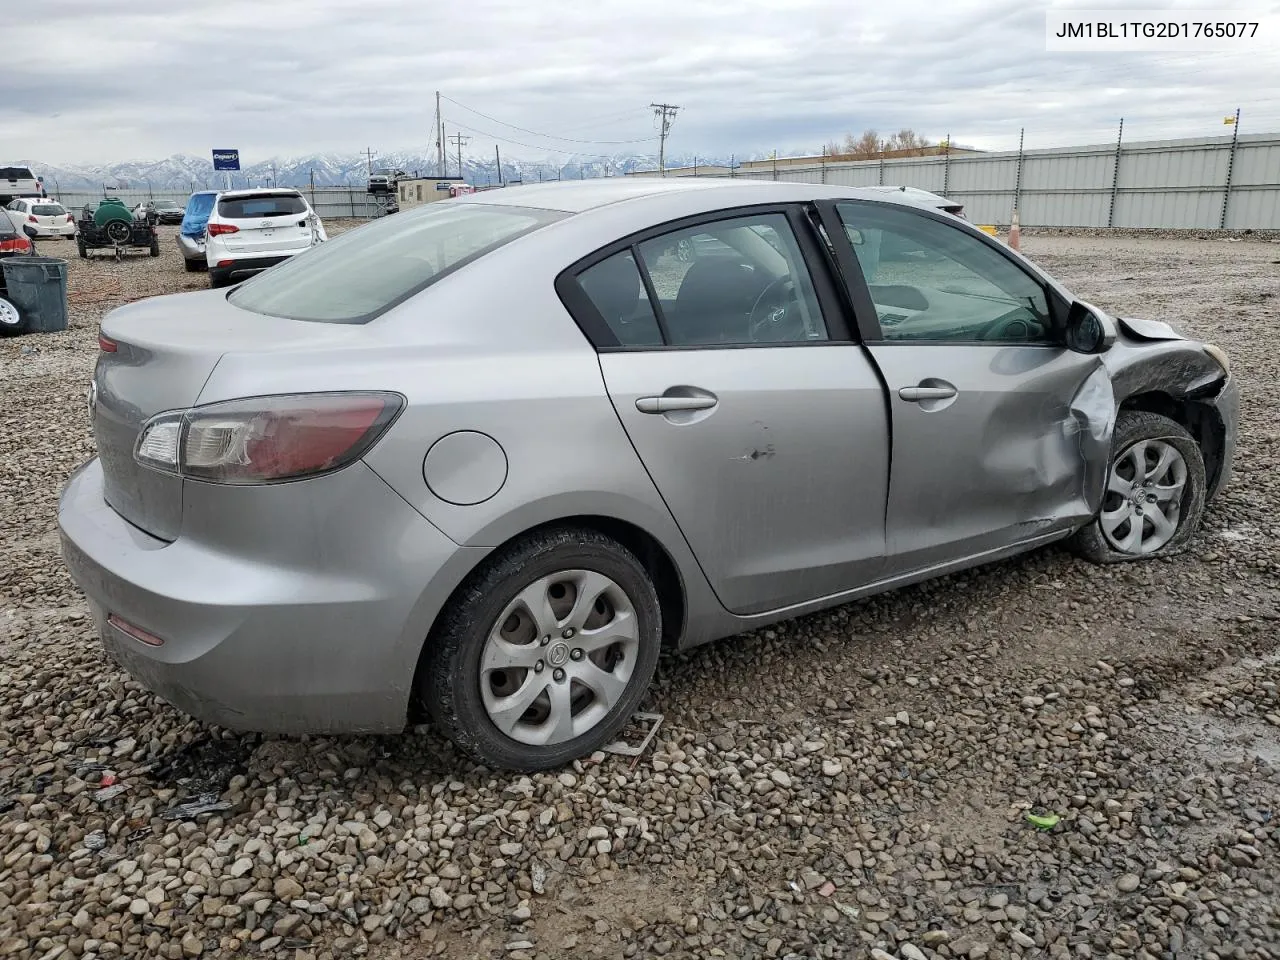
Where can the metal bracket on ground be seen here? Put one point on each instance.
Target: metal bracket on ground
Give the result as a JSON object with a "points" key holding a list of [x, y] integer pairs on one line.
{"points": [[622, 748]]}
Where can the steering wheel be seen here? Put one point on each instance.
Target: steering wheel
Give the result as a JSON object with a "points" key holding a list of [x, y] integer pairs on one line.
{"points": [[771, 312], [1013, 327]]}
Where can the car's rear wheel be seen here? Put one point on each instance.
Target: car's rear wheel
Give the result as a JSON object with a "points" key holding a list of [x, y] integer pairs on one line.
{"points": [[545, 652], [1154, 496], [193, 266]]}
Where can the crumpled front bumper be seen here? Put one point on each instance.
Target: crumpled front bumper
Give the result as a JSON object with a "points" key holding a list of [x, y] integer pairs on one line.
{"points": [[1227, 406]]}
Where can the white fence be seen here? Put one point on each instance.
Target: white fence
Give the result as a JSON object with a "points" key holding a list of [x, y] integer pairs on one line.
{"points": [[1168, 184]]}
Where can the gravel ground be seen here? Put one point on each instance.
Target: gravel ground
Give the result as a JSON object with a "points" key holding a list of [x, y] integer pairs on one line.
{"points": [[853, 784]]}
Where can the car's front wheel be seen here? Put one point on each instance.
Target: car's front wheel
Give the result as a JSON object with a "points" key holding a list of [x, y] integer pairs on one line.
{"points": [[545, 652], [1154, 494]]}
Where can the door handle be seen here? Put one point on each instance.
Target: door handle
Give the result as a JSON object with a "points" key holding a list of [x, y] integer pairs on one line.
{"points": [[669, 404], [917, 394]]}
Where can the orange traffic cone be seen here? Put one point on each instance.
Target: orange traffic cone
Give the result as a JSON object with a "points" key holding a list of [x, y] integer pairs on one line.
{"points": [[1015, 232]]}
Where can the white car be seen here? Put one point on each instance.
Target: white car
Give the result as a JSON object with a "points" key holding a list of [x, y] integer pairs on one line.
{"points": [[41, 218], [251, 230], [924, 197]]}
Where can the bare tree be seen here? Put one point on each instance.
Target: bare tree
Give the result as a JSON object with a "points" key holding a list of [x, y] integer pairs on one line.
{"points": [[870, 144]]}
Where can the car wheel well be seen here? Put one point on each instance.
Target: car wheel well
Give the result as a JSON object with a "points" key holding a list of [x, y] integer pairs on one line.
{"points": [[1200, 420], [651, 554]]}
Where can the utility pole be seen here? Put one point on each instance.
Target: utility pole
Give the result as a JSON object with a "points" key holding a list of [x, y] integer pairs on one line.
{"points": [[458, 140], [274, 181], [369, 153], [497, 159], [1231, 162], [1115, 176], [439, 131], [666, 113]]}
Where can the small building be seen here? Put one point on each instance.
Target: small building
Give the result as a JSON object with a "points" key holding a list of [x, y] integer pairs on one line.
{"points": [[415, 191]]}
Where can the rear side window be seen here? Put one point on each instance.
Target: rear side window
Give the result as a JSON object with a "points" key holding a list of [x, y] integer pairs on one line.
{"points": [[366, 271], [262, 205], [616, 290]]}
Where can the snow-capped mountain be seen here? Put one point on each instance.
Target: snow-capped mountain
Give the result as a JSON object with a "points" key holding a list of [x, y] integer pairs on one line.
{"points": [[186, 172]]}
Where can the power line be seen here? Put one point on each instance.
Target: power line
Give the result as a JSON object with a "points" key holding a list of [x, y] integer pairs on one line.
{"points": [[547, 136], [666, 113], [531, 146]]}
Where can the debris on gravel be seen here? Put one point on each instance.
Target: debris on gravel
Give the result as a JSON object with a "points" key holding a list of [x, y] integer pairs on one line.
{"points": [[856, 783]]}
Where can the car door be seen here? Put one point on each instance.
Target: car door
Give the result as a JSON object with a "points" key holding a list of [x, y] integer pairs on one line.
{"points": [[986, 450], [761, 422]]}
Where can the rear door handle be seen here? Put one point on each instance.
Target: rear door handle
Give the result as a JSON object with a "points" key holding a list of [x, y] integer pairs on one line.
{"points": [[916, 394], [669, 404]]}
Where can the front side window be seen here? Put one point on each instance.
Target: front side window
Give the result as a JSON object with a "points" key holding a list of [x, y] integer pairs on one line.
{"points": [[930, 280], [736, 281], [366, 271]]}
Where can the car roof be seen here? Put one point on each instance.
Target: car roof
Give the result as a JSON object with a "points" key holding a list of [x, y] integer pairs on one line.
{"points": [[584, 195]]}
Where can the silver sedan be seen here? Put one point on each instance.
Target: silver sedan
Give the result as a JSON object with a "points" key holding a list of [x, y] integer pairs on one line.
{"points": [[481, 461]]}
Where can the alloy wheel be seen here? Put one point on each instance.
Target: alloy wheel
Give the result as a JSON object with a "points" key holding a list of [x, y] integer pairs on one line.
{"points": [[1143, 502], [559, 657]]}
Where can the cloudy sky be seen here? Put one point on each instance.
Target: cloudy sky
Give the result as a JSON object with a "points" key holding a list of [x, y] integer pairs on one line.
{"points": [[93, 81]]}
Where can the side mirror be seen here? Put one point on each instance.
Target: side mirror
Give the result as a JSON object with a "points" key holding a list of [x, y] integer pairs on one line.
{"points": [[1089, 330]]}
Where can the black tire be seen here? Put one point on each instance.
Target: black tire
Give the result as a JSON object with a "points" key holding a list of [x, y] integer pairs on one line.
{"points": [[82, 250], [1133, 426], [9, 326], [193, 266], [218, 280], [118, 231], [155, 248], [449, 680]]}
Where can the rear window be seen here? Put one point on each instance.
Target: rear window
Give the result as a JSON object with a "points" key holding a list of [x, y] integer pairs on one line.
{"points": [[366, 271], [262, 205], [48, 210], [16, 173]]}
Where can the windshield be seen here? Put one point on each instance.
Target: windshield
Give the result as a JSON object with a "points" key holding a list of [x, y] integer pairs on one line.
{"points": [[369, 270]]}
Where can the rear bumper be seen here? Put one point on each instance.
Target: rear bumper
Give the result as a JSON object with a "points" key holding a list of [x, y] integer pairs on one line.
{"points": [[41, 231], [242, 267], [192, 247], [268, 625]]}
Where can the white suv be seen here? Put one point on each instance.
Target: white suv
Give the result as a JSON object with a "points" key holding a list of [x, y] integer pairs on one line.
{"points": [[250, 230]]}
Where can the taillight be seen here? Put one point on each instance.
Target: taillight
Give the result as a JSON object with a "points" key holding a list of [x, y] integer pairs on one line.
{"points": [[31, 218], [70, 218], [106, 344], [16, 245], [218, 229], [267, 439]]}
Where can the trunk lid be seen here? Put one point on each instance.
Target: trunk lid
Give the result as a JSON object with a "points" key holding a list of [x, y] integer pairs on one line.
{"points": [[166, 348]]}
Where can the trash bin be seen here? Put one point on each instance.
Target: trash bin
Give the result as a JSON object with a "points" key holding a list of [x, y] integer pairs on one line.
{"points": [[38, 288]]}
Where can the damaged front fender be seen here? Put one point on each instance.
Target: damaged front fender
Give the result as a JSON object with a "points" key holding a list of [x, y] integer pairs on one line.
{"points": [[1093, 417]]}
